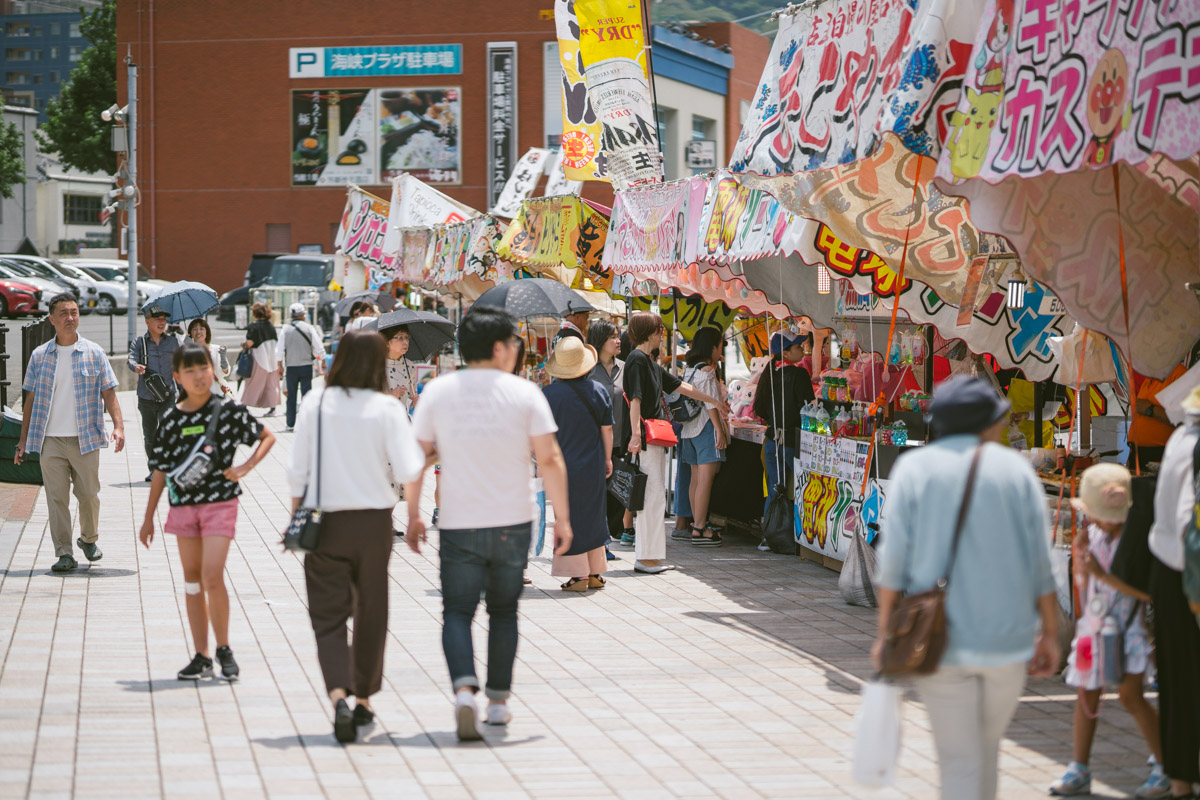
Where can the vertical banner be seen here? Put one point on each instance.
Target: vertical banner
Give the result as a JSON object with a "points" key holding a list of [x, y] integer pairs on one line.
{"points": [[582, 159], [557, 182], [613, 47], [521, 183], [502, 115]]}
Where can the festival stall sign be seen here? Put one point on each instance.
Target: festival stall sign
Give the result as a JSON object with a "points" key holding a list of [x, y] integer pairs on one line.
{"points": [[655, 227], [361, 235], [465, 249], [687, 313], [830, 473], [613, 51], [416, 204], [582, 159], [1072, 95], [549, 233], [521, 183]]}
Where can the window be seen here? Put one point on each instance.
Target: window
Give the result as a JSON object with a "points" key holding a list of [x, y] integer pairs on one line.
{"points": [[82, 209], [38, 102], [76, 53], [55, 53], [16, 54], [54, 76], [17, 29], [37, 78], [702, 128], [37, 55], [74, 31], [35, 30], [56, 29], [16, 78], [279, 237]]}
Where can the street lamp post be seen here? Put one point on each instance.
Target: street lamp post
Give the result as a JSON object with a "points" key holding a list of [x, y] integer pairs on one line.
{"points": [[126, 196]]}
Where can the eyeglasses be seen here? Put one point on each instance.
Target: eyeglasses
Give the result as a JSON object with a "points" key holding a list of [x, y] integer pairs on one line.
{"points": [[400, 337]]}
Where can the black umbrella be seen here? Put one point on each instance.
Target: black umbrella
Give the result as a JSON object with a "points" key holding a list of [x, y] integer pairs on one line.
{"points": [[427, 332], [383, 300], [534, 297]]}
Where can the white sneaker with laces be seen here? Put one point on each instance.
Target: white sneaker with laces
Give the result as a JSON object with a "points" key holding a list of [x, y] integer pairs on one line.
{"points": [[466, 716], [498, 714], [1156, 786]]}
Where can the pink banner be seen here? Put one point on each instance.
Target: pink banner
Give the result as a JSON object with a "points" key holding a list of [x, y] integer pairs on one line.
{"points": [[654, 228]]}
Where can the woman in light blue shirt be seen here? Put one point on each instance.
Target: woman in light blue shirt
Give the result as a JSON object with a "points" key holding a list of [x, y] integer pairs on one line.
{"points": [[999, 584]]}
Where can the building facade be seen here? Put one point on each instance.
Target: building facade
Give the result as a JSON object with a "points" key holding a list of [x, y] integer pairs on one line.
{"points": [[247, 142], [18, 214], [37, 54], [68, 209]]}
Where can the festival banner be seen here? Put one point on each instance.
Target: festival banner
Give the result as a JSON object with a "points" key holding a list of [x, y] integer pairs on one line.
{"points": [[502, 115], [613, 47], [416, 204], [553, 232], [833, 67], [521, 183], [687, 313], [361, 235], [655, 227], [557, 182], [1061, 87], [581, 137]]}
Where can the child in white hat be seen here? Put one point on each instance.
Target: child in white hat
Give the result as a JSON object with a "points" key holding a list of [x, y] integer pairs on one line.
{"points": [[1111, 648]]}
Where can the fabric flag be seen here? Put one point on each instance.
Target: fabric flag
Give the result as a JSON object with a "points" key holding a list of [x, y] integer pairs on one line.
{"points": [[582, 157], [549, 233], [521, 183], [612, 46], [416, 204], [557, 182], [655, 227]]}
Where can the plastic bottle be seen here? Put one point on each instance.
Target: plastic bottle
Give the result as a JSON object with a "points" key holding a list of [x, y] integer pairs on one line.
{"points": [[822, 420], [894, 354], [805, 420], [841, 423]]}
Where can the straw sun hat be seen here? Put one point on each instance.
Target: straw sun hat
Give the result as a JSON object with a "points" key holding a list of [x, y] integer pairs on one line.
{"points": [[571, 359]]}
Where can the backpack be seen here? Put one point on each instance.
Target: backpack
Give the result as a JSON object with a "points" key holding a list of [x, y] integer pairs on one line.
{"points": [[684, 409], [1191, 540]]}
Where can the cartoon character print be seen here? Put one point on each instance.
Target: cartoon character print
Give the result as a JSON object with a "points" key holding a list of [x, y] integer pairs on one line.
{"points": [[1107, 112], [972, 131], [989, 64]]}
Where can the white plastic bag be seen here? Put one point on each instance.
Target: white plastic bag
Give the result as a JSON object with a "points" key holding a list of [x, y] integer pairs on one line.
{"points": [[856, 584], [877, 734]]}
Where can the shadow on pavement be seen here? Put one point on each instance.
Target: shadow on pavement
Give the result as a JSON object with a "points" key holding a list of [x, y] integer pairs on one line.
{"points": [[370, 737], [164, 684], [82, 572]]}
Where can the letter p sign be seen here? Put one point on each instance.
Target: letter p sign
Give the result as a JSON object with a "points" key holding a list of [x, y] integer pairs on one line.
{"points": [[306, 62]]}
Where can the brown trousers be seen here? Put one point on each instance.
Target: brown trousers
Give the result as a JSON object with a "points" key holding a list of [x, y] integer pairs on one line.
{"points": [[347, 577], [64, 468]]}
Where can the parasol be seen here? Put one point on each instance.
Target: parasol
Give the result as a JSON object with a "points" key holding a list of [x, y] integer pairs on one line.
{"points": [[427, 332], [184, 300], [382, 300], [534, 297]]}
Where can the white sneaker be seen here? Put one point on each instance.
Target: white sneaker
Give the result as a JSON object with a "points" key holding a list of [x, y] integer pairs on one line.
{"points": [[466, 715], [498, 714]]}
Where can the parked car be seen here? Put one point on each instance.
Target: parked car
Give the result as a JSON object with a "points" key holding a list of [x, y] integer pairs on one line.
{"points": [[12, 270], [114, 295], [114, 269], [18, 297], [82, 286], [256, 275]]}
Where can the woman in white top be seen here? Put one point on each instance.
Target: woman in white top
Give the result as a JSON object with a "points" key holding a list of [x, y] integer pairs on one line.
{"points": [[401, 371], [366, 444], [201, 334]]}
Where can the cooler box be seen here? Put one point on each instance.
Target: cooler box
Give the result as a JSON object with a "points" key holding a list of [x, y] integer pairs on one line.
{"points": [[29, 471]]}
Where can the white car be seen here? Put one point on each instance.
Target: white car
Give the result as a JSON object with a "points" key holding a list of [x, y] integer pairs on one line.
{"points": [[113, 283], [82, 285], [17, 272]]}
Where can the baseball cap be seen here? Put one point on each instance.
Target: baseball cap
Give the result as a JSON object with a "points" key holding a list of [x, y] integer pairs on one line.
{"points": [[296, 310], [155, 311], [1105, 493], [784, 339], [965, 405]]}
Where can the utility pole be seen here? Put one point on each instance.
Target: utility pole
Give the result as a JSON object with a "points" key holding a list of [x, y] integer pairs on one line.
{"points": [[132, 199]]}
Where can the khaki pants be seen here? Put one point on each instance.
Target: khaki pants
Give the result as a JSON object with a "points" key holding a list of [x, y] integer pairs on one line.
{"points": [[63, 465], [970, 708]]}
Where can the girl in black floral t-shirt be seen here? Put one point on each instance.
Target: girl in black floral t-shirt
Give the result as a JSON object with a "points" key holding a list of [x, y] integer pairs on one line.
{"points": [[203, 517]]}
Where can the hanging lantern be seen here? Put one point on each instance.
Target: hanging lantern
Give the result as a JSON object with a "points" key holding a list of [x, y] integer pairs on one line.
{"points": [[823, 281], [1016, 289]]}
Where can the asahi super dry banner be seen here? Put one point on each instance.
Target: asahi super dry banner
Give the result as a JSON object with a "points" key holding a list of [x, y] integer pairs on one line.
{"points": [[582, 157]]}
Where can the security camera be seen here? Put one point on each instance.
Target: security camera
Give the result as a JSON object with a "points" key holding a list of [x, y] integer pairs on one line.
{"points": [[107, 114]]}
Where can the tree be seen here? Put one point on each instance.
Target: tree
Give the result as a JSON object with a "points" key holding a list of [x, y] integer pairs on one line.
{"points": [[12, 158], [73, 127]]}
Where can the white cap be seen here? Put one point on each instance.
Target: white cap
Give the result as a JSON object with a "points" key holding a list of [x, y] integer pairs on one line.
{"points": [[297, 310]]}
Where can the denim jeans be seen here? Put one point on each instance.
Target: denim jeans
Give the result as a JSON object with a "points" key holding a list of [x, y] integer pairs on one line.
{"points": [[770, 457], [297, 378], [488, 562]]}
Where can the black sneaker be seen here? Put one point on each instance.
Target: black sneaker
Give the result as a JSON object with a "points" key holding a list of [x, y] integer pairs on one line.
{"points": [[90, 551], [229, 667], [201, 667], [363, 715], [344, 729]]}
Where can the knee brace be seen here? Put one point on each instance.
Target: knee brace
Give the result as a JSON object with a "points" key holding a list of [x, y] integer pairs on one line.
{"points": [[191, 588]]}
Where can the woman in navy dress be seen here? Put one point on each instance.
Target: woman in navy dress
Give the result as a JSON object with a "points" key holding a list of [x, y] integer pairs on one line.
{"points": [[583, 411]]}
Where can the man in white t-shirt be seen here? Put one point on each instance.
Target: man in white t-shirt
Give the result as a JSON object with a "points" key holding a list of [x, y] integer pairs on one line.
{"points": [[486, 424]]}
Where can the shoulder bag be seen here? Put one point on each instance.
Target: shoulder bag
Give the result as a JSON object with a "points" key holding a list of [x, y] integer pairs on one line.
{"points": [[303, 533], [628, 483], [245, 364], [200, 462], [156, 384], [916, 630]]}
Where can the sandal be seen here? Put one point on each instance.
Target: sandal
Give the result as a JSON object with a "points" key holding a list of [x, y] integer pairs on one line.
{"points": [[595, 582], [575, 585], [700, 540]]}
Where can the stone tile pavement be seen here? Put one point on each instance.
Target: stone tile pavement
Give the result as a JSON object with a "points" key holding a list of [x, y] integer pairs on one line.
{"points": [[736, 676]]}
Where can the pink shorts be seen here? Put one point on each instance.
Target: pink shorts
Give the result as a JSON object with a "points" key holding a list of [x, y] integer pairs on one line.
{"points": [[205, 519]]}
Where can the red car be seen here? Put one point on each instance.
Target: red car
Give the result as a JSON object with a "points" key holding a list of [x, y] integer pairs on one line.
{"points": [[18, 298]]}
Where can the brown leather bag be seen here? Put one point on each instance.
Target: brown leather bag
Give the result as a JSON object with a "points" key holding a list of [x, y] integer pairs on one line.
{"points": [[916, 630]]}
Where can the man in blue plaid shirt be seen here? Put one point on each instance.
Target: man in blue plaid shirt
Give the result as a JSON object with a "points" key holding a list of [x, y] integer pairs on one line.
{"points": [[67, 379]]}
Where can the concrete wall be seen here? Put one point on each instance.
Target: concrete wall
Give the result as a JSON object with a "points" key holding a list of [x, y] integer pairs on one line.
{"points": [[679, 102], [18, 214]]}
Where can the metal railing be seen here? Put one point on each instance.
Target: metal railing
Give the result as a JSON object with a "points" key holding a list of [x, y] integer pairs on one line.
{"points": [[34, 335], [3, 366]]}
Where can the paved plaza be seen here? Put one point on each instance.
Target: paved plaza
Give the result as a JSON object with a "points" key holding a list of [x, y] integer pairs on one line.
{"points": [[736, 676]]}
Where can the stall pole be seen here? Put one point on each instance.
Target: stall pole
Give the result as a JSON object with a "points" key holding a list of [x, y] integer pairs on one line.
{"points": [[1085, 418], [1038, 402], [929, 359]]}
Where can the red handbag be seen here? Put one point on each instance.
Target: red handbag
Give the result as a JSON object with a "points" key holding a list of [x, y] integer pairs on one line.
{"points": [[659, 432]]}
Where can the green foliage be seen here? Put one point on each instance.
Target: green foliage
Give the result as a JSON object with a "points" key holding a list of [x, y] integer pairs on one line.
{"points": [[718, 11], [12, 158], [73, 128]]}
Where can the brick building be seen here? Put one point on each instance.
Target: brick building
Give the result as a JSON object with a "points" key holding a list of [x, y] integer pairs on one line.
{"points": [[246, 138]]}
